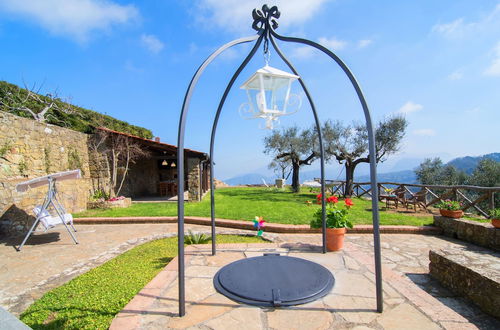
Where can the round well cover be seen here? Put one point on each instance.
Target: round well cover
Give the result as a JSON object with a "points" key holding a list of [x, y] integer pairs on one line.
{"points": [[273, 280]]}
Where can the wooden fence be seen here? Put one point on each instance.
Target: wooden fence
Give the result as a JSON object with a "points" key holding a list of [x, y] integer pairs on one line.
{"points": [[481, 199]]}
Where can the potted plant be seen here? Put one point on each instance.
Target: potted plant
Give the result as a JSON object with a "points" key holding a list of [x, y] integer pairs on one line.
{"points": [[495, 217], [450, 209], [336, 222]]}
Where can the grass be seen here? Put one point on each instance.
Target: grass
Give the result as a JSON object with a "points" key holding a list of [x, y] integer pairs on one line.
{"points": [[278, 206], [91, 300]]}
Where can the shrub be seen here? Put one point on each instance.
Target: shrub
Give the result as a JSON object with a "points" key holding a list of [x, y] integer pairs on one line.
{"points": [[448, 205], [495, 213], [196, 238]]}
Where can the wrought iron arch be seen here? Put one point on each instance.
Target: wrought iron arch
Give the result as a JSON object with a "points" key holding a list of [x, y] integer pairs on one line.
{"points": [[265, 22]]}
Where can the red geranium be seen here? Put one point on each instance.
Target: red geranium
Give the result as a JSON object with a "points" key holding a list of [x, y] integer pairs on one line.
{"points": [[348, 202], [318, 197], [332, 199]]}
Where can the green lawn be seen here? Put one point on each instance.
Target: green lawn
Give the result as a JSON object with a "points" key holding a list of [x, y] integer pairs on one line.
{"points": [[279, 206], [91, 300]]}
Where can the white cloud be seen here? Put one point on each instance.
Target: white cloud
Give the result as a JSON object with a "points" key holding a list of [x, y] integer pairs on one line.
{"points": [[236, 15], [450, 29], [410, 107], [332, 43], [152, 43], [473, 111], [302, 52], [459, 28], [364, 43], [305, 52], [130, 66], [456, 75], [425, 132], [76, 19], [494, 68]]}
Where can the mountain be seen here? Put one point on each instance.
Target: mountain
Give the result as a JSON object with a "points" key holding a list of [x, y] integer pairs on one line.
{"points": [[250, 178], [406, 176], [468, 163]]}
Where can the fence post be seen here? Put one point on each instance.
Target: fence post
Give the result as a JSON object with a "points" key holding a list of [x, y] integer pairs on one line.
{"points": [[492, 199]]}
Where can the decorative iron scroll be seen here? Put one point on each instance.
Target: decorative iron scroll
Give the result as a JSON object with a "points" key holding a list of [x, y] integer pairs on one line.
{"points": [[265, 16]]}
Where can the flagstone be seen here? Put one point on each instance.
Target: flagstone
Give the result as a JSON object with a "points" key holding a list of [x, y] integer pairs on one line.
{"points": [[405, 317], [242, 318], [300, 318]]}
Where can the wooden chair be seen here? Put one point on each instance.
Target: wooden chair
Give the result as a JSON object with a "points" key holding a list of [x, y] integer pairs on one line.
{"points": [[418, 199], [398, 196]]}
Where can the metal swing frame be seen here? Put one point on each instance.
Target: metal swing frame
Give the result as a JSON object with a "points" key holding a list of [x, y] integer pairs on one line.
{"points": [[265, 23], [50, 200]]}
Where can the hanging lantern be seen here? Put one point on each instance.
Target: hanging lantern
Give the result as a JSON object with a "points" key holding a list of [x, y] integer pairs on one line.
{"points": [[269, 97]]}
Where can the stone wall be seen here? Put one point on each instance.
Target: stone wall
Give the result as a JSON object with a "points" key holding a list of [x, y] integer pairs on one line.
{"points": [[28, 150], [142, 180], [483, 234], [193, 170], [472, 273]]}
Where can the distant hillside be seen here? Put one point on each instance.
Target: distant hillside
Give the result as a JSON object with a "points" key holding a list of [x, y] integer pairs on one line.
{"points": [[468, 163], [407, 176], [78, 119]]}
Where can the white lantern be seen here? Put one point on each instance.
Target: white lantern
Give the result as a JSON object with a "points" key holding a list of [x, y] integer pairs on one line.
{"points": [[269, 96]]}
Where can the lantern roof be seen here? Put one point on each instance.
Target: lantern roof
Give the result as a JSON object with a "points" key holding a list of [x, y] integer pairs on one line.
{"points": [[281, 78]]}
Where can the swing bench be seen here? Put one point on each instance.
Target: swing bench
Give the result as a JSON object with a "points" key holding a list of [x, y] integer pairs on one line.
{"points": [[51, 202]]}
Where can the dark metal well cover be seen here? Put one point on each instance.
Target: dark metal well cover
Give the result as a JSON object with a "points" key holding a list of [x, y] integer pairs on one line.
{"points": [[273, 280]]}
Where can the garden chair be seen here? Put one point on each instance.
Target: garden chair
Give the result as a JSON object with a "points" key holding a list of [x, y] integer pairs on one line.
{"points": [[419, 199], [398, 196]]}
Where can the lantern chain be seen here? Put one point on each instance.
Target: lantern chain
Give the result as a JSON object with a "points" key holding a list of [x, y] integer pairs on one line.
{"points": [[267, 52]]}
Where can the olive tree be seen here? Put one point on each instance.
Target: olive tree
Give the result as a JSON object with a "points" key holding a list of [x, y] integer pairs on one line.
{"points": [[348, 144], [292, 146]]}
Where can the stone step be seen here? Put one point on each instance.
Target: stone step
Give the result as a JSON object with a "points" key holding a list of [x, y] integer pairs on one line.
{"points": [[473, 273]]}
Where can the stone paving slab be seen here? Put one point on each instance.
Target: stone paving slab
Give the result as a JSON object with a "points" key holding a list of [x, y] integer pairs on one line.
{"points": [[51, 259], [351, 303]]}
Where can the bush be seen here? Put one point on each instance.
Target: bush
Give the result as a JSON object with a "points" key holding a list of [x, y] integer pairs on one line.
{"points": [[449, 205], [495, 213]]}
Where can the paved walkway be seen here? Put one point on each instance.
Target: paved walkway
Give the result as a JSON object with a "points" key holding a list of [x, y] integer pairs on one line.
{"points": [[412, 299]]}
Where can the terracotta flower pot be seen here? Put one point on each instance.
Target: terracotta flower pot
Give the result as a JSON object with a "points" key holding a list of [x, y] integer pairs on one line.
{"points": [[451, 213], [494, 222], [335, 238]]}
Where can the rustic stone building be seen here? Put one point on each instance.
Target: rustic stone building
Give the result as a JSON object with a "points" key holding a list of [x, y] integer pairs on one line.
{"points": [[29, 149]]}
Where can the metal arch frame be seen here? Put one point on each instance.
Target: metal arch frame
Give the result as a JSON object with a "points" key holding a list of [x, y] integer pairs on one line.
{"points": [[371, 150], [265, 19]]}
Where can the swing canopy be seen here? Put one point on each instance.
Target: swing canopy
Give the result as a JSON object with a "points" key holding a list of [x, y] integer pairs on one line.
{"points": [[44, 180]]}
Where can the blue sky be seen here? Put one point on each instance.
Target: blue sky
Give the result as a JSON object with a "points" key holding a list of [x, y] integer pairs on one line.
{"points": [[438, 62]]}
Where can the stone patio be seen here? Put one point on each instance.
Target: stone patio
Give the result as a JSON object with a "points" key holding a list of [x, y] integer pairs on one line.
{"points": [[350, 305], [412, 299]]}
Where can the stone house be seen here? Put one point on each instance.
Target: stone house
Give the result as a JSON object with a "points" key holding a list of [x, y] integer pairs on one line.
{"points": [[156, 174], [29, 149]]}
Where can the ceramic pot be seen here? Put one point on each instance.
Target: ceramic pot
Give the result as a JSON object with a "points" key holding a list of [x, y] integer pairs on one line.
{"points": [[451, 214], [495, 223], [335, 238]]}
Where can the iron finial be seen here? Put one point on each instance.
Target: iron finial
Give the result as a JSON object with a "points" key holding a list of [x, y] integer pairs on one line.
{"points": [[264, 16]]}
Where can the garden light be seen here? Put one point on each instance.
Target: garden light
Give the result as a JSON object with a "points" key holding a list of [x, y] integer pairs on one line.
{"points": [[269, 97]]}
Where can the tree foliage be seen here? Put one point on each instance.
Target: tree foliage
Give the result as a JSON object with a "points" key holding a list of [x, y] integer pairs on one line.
{"points": [[293, 146], [348, 144], [486, 174], [51, 109]]}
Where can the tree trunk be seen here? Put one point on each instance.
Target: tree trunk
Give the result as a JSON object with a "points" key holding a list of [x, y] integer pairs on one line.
{"points": [[349, 178], [295, 177]]}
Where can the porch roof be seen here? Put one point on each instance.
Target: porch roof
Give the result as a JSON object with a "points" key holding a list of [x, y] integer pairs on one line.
{"points": [[156, 145]]}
